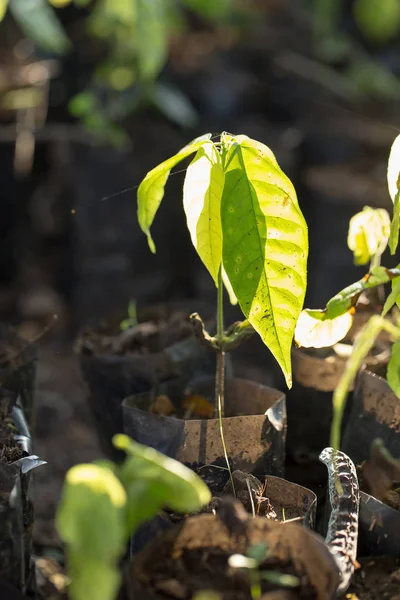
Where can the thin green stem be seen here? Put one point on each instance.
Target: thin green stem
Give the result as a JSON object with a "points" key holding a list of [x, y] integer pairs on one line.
{"points": [[220, 373]]}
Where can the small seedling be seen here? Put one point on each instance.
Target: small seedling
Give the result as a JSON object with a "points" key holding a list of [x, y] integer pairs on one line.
{"points": [[252, 562], [131, 321], [103, 504], [246, 225]]}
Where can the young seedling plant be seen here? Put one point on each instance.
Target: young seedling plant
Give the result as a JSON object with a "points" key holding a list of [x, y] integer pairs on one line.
{"points": [[246, 225], [103, 504], [369, 233]]}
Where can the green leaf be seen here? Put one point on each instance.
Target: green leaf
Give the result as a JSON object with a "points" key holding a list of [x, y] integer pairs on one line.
{"points": [[368, 234], [378, 19], [39, 22], [393, 297], [184, 491], [91, 579], [202, 192], [151, 37], [395, 225], [348, 297], [151, 190], [3, 9], [393, 370], [314, 329], [265, 244], [393, 170], [91, 520]]}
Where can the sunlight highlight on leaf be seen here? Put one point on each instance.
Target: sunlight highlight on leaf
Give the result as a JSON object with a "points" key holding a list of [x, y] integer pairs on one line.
{"points": [[393, 370], [315, 330], [202, 192]]}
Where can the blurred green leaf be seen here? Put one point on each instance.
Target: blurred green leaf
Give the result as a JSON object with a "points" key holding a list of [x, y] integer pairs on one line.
{"points": [[214, 10], [395, 225], [91, 522], [151, 34], [179, 487], [3, 9], [82, 104], [379, 20], [39, 22], [174, 104], [348, 297], [368, 234], [393, 370]]}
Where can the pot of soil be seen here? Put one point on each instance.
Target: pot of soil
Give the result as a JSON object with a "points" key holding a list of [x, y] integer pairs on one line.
{"points": [[18, 359], [16, 509], [316, 373], [196, 556], [190, 433], [116, 363], [272, 497]]}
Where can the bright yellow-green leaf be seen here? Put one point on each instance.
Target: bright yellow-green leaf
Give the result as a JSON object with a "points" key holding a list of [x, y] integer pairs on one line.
{"points": [[265, 244], [315, 330], [151, 190], [202, 192], [393, 370], [3, 8], [184, 490], [368, 234]]}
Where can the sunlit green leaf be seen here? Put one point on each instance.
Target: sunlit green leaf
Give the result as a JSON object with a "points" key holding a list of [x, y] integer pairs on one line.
{"points": [[3, 8], [315, 330], [393, 370], [378, 19], [151, 37], [39, 22], [395, 225], [265, 257], [368, 234], [393, 170], [184, 490], [151, 190], [348, 297], [393, 297], [202, 192]]}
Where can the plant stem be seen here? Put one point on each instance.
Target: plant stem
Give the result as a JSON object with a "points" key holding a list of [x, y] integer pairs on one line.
{"points": [[220, 373]]}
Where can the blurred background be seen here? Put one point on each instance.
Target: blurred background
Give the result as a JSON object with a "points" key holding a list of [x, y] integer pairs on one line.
{"points": [[94, 93]]}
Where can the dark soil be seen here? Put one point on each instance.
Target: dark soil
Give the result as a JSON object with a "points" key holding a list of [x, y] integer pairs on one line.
{"points": [[146, 337], [10, 450], [376, 579]]}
